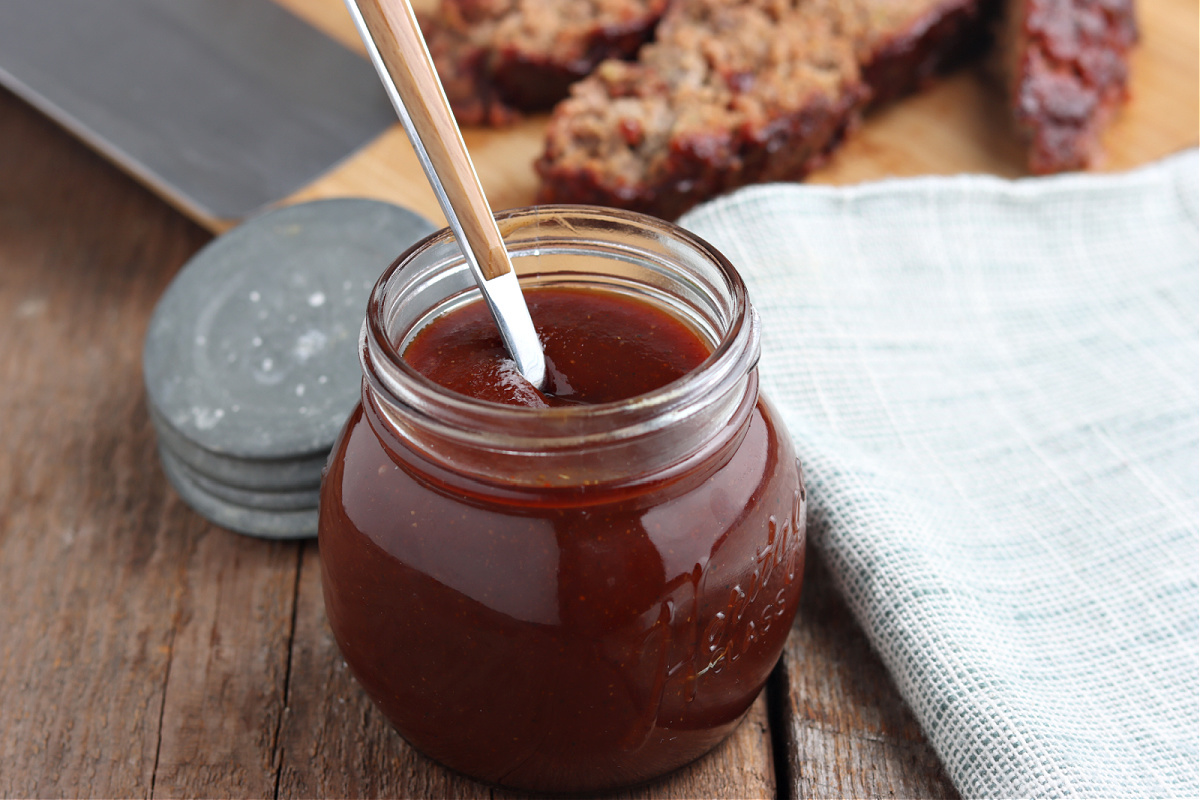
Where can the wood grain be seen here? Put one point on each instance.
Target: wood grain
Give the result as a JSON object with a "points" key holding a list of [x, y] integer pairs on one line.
{"points": [[92, 543], [224, 694]]}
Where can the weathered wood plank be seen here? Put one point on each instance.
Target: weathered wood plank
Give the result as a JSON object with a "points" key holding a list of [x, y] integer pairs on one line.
{"points": [[845, 729], [225, 690], [90, 537], [143, 650]]}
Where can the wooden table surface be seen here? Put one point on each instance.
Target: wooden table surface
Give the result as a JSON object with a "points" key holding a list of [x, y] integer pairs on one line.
{"points": [[147, 652]]}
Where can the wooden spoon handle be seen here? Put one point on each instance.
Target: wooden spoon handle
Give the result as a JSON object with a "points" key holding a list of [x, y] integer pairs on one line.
{"points": [[397, 36]]}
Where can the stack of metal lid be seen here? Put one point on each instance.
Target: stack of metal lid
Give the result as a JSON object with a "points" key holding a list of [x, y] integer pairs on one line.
{"points": [[251, 361]]}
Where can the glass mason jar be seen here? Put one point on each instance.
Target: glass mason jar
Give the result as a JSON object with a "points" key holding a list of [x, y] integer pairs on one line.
{"points": [[574, 598]]}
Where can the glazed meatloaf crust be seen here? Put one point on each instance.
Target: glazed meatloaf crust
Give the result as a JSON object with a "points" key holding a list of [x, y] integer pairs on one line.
{"points": [[1066, 69], [499, 57], [732, 93]]}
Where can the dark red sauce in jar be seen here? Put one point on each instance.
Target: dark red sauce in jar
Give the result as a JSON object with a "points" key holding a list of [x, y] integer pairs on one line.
{"points": [[581, 594], [600, 347]]}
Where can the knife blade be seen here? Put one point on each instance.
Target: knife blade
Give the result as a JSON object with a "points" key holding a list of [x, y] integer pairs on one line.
{"points": [[221, 106]]}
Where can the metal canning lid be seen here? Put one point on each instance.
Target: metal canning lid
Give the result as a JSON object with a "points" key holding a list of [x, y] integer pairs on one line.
{"points": [[250, 359], [262, 499], [270, 523], [267, 475]]}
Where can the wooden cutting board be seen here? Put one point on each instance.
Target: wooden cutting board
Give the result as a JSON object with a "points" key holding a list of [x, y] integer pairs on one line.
{"points": [[959, 125]]}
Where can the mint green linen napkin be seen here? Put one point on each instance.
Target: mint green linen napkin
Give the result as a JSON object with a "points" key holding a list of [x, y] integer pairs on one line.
{"points": [[994, 390]]}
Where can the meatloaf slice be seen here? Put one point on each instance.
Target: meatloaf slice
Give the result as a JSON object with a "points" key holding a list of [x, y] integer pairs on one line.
{"points": [[1066, 69], [735, 93], [497, 57]]}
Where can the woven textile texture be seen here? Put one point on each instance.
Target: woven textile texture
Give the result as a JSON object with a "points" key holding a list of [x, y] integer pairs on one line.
{"points": [[994, 390]]}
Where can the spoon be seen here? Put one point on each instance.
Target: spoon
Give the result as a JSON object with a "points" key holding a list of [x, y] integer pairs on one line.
{"points": [[396, 47]]}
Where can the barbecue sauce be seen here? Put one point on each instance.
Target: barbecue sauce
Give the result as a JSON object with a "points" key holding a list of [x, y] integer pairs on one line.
{"points": [[599, 347], [565, 638]]}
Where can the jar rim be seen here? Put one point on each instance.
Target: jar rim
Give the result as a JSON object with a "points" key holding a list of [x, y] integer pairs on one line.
{"points": [[734, 355]]}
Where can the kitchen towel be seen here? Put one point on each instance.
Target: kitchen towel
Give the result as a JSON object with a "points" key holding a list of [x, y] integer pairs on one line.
{"points": [[993, 386]]}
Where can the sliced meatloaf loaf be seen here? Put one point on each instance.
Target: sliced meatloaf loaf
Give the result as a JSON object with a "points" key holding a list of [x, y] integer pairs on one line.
{"points": [[497, 57], [731, 93], [1066, 69]]}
